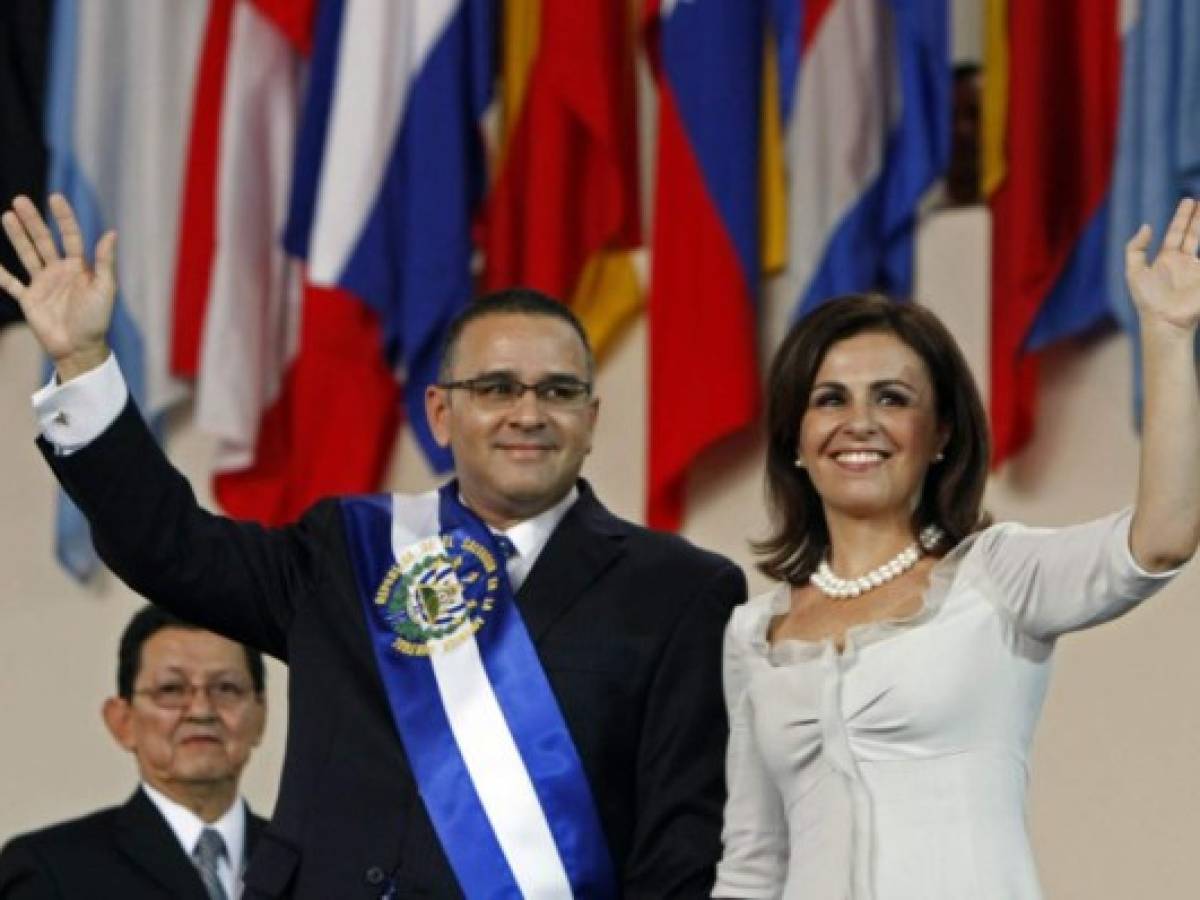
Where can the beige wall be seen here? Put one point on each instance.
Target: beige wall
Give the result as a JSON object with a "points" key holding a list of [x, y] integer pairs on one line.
{"points": [[1116, 778]]}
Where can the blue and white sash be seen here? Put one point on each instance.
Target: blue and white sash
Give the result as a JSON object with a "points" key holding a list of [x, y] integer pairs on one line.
{"points": [[492, 756]]}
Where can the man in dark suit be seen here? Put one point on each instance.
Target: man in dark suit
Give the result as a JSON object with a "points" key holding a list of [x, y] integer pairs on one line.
{"points": [[189, 707], [623, 625]]}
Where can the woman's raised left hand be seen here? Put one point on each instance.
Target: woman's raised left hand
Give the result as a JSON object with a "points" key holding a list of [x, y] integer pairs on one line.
{"points": [[1167, 290]]}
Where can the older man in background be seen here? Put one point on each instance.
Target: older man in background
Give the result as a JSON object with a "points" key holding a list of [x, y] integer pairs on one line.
{"points": [[190, 708]]}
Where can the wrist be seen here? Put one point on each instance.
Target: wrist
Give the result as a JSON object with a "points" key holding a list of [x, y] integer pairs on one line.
{"points": [[1162, 332], [80, 362]]}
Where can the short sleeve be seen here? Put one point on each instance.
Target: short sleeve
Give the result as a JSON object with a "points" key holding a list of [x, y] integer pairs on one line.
{"points": [[1055, 580]]}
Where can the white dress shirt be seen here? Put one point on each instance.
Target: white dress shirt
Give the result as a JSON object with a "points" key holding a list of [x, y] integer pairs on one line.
{"points": [[187, 827], [530, 537], [73, 414]]}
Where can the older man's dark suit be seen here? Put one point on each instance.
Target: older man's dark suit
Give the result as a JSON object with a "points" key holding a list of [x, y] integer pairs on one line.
{"points": [[127, 852], [627, 623]]}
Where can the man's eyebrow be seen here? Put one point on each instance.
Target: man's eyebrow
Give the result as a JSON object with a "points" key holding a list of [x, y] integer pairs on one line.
{"points": [[509, 373], [495, 373], [166, 670], [215, 673]]}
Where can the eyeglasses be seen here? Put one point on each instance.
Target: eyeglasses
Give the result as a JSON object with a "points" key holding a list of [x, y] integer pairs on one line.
{"points": [[503, 392], [176, 695]]}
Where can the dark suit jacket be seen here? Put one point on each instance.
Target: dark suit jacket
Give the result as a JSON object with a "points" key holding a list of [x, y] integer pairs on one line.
{"points": [[627, 622], [125, 853]]}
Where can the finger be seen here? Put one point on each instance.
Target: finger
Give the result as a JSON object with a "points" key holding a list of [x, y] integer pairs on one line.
{"points": [[1135, 250], [1173, 240], [11, 284], [35, 225], [21, 243], [1191, 237], [68, 226], [106, 262]]}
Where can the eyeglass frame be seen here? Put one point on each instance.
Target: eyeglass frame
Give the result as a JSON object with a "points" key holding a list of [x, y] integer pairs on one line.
{"points": [[191, 689], [471, 385]]}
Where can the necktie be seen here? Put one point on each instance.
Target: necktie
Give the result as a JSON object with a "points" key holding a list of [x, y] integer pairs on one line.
{"points": [[507, 547], [209, 850]]}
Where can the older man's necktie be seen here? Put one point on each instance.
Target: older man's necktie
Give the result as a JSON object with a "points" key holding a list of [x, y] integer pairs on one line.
{"points": [[209, 850]]}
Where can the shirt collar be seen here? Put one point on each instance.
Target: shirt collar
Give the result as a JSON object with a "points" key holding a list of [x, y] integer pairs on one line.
{"points": [[530, 536], [187, 825]]}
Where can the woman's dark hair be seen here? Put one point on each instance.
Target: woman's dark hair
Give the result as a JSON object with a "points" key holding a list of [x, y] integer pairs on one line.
{"points": [[953, 491]]}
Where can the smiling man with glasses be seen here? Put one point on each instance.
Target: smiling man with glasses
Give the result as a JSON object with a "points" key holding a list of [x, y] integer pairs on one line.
{"points": [[625, 624], [498, 688], [190, 707]]}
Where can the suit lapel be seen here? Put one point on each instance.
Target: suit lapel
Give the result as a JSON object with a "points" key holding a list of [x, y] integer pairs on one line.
{"points": [[586, 542], [144, 836], [254, 830]]}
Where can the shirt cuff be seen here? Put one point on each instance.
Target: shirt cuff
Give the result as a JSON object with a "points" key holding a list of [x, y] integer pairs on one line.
{"points": [[74, 414]]}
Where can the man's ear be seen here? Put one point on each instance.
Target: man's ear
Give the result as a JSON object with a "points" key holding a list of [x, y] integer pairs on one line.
{"points": [[437, 412], [118, 716], [261, 725], [594, 415]]}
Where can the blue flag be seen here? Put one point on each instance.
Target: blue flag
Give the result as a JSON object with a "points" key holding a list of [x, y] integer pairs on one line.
{"points": [[118, 94], [1158, 143], [865, 92], [389, 169]]}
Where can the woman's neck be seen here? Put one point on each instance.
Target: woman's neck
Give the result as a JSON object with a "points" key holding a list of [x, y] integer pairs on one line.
{"points": [[858, 545]]}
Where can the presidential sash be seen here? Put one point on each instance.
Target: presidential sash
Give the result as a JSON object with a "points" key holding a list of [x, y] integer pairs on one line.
{"points": [[494, 762]]}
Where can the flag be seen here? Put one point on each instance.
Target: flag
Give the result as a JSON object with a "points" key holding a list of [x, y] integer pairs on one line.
{"points": [[866, 97], [564, 207], [707, 58], [1049, 207], [1158, 141], [237, 293], [118, 101], [24, 33], [331, 429], [388, 173]]}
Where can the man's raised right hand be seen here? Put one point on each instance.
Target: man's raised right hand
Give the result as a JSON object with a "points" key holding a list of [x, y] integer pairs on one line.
{"points": [[68, 303]]}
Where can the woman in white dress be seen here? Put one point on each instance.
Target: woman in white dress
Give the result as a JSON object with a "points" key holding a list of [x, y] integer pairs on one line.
{"points": [[883, 697]]}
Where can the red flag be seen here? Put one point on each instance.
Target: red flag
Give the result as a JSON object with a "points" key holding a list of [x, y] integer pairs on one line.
{"points": [[1063, 87], [334, 425], [263, 379], [565, 200], [705, 249]]}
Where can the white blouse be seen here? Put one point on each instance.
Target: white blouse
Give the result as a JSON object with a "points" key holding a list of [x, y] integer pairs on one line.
{"points": [[897, 769]]}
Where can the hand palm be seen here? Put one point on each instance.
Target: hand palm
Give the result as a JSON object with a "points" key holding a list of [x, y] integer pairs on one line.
{"points": [[1169, 288], [68, 306], [67, 303]]}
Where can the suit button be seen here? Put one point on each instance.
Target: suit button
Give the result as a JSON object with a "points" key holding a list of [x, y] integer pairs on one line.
{"points": [[374, 875]]}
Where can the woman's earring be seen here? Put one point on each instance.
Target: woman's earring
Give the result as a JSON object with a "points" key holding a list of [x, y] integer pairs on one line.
{"points": [[939, 456], [799, 462]]}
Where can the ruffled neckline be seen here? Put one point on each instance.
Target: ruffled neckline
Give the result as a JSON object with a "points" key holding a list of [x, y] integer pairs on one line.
{"points": [[790, 651]]}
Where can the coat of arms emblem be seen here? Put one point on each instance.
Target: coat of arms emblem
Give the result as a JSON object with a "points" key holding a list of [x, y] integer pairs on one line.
{"points": [[438, 593]]}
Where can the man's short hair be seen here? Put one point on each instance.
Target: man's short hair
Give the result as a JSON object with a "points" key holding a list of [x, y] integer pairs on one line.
{"points": [[147, 622], [511, 301]]}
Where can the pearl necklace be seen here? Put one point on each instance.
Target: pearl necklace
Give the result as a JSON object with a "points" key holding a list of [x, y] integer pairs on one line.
{"points": [[829, 583]]}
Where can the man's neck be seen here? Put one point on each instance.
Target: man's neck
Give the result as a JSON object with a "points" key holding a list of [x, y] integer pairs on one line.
{"points": [[503, 519], [209, 801]]}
